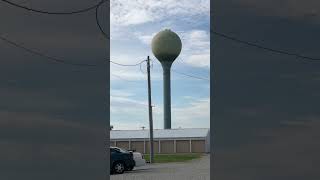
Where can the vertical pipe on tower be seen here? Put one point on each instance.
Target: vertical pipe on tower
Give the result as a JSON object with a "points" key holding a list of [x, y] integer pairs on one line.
{"points": [[167, 94]]}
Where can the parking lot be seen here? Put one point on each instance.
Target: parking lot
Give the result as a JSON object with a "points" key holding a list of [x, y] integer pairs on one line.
{"points": [[198, 169]]}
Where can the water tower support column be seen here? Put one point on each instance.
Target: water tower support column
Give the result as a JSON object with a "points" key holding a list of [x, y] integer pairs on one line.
{"points": [[166, 94]]}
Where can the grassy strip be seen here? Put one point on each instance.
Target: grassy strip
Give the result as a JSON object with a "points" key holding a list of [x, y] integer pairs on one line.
{"points": [[165, 158]]}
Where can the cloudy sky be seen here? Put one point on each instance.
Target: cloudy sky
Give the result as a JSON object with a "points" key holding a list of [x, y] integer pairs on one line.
{"points": [[133, 24]]}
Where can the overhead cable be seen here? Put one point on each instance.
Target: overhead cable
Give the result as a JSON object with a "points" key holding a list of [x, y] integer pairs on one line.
{"points": [[31, 51], [263, 47], [53, 13], [128, 64], [121, 78], [98, 22], [192, 76]]}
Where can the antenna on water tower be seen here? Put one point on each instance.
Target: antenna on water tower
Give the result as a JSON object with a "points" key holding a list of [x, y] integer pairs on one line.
{"points": [[166, 47]]}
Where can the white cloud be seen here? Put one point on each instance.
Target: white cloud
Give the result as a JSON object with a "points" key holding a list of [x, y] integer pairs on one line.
{"points": [[121, 93], [146, 39], [197, 48], [133, 12], [127, 112], [199, 60], [128, 75], [127, 106], [197, 38], [120, 101], [195, 114]]}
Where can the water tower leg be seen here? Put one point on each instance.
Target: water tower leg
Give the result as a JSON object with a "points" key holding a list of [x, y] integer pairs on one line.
{"points": [[166, 95]]}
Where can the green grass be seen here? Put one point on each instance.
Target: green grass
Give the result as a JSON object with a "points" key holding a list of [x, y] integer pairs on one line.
{"points": [[166, 158]]}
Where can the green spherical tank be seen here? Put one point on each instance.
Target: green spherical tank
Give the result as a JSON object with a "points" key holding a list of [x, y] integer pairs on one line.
{"points": [[166, 45]]}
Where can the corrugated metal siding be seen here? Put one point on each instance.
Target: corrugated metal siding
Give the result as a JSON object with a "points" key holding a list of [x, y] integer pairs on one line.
{"points": [[167, 147], [138, 146], [198, 146], [183, 146], [123, 144], [155, 147]]}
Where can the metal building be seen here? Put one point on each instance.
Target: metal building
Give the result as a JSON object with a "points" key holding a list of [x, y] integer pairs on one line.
{"points": [[166, 141]]}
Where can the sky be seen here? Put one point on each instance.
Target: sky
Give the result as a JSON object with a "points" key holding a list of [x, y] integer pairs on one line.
{"points": [[133, 25]]}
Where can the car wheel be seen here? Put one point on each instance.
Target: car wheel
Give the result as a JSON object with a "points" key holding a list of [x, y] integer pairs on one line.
{"points": [[118, 167]]}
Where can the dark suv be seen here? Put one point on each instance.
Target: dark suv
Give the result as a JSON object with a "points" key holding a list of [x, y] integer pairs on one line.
{"points": [[120, 160]]}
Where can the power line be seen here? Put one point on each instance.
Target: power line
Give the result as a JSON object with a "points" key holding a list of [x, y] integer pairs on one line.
{"points": [[53, 13], [188, 75], [151, 63], [192, 76], [127, 64], [142, 70], [263, 47], [121, 78], [57, 60], [34, 52], [98, 22]]}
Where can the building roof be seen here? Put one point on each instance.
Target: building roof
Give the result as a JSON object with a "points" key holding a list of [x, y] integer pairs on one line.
{"points": [[160, 133]]}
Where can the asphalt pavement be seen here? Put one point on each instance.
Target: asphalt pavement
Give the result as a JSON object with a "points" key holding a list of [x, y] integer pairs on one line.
{"points": [[197, 169]]}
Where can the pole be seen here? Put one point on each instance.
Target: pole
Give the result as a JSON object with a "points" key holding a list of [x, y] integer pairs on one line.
{"points": [[150, 111]]}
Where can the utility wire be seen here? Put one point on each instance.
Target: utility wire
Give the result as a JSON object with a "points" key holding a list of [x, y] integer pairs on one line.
{"points": [[151, 63], [121, 78], [53, 13], [192, 76], [188, 75], [98, 22], [263, 47], [31, 51], [142, 70], [34, 52], [128, 64], [57, 60]]}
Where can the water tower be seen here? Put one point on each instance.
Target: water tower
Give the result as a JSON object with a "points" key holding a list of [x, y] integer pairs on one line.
{"points": [[166, 47]]}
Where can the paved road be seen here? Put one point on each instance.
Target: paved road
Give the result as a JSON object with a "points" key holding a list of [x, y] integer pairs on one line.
{"points": [[197, 169]]}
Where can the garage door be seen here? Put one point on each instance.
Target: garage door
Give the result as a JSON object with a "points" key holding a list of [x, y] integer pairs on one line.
{"points": [[183, 146], [138, 146], [198, 146], [167, 147], [123, 144], [155, 147]]}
